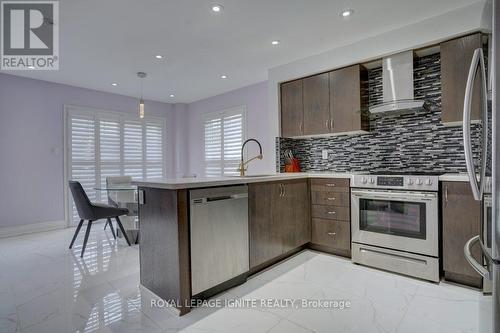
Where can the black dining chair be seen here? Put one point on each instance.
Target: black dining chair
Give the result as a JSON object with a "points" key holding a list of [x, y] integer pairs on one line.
{"points": [[92, 212]]}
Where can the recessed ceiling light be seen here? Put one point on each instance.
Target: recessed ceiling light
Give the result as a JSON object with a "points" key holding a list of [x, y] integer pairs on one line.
{"points": [[217, 8], [275, 42], [172, 95], [158, 56], [114, 84], [31, 67], [223, 76], [347, 12]]}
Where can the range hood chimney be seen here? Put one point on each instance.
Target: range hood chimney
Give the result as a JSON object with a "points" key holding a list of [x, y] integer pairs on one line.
{"points": [[397, 84]]}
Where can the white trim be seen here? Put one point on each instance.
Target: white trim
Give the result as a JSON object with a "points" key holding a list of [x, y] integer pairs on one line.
{"points": [[17, 230]]}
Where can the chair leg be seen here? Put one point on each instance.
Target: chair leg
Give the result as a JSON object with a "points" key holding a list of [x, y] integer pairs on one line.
{"points": [[87, 233], [111, 227], [106, 224], [122, 229], [76, 233]]}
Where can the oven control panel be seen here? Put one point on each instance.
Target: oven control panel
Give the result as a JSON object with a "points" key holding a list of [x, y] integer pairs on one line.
{"points": [[390, 181], [403, 182]]}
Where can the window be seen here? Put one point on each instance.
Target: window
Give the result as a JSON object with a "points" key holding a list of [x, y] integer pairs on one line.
{"points": [[101, 144], [224, 135]]}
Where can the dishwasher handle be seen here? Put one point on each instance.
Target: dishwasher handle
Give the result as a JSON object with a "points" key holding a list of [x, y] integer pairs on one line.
{"points": [[217, 198]]}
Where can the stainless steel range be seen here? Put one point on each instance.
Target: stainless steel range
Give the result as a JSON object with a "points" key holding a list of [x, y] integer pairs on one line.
{"points": [[395, 223]]}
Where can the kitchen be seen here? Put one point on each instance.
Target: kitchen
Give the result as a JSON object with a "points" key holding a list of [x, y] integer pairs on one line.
{"points": [[358, 180]]}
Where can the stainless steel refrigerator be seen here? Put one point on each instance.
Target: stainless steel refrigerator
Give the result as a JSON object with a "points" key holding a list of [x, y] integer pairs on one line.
{"points": [[483, 167]]}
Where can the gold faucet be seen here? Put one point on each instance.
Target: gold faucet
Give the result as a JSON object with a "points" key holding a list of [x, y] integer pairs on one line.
{"points": [[242, 168]]}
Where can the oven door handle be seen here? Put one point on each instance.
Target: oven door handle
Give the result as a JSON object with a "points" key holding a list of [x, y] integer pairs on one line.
{"points": [[400, 196], [472, 261]]}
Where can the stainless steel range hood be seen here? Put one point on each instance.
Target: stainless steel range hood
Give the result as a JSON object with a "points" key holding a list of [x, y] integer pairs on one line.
{"points": [[397, 84]]}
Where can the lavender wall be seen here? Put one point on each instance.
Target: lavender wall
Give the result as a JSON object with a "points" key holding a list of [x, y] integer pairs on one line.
{"points": [[254, 97], [31, 144]]}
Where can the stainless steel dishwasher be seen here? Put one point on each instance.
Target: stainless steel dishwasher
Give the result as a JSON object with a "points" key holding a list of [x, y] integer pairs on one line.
{"points": [[219, 236]]}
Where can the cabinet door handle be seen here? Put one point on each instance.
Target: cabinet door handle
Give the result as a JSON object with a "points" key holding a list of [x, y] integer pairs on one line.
{"points": [[327, 124], [281, 190], [284, 190], [332, 213], [301, 127], [331, 233], [331, 199], [331, 124]]}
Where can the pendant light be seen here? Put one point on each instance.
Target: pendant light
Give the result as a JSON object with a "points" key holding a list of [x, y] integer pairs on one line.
{"points": [[141, 75]]}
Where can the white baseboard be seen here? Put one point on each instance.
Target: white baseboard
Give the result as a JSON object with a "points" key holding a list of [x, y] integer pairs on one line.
{"points": [[17, 230]]}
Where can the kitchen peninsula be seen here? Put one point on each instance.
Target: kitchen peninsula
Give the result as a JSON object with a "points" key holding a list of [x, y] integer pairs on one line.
{"points": [[277, 225]]}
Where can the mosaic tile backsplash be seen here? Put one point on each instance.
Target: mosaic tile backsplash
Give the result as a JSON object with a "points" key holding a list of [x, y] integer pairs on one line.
{"points": [[397, 142]]}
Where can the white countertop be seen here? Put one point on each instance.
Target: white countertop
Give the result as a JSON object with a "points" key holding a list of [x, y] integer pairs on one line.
{"points": [[454, 177], [185, 183]]}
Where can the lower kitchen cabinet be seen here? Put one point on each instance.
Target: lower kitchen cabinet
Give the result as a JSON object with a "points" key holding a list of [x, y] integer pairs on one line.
{"points": [[331, 215], [333, 234], [461, 222], [279, 219]]}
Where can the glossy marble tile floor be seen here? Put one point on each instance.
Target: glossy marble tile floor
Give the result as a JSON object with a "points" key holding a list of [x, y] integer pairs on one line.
{"points": [[44, 287]]}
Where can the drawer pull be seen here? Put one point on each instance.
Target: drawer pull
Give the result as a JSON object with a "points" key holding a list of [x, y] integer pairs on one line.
{"points": [[330, 185], [331, 199], [331, 233], [332, 213]]}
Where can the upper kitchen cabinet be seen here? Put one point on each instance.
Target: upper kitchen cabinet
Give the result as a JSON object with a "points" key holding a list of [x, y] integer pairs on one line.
{"points": [[347, 101], [316, 94], [456, 58], [327, 103], [292, 109]]}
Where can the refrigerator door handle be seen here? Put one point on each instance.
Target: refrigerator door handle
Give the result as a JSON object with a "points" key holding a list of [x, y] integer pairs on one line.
{"points": [[477, 60], [472, 261], [485, 127]]}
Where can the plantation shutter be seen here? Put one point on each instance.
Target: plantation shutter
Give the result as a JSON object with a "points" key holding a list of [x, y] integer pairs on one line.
{"points": [[82, 156], [233, 139], [224, 135], [102, 144]]}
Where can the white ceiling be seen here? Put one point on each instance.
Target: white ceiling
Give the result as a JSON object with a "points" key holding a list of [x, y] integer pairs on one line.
{"points": [[109, 41]]}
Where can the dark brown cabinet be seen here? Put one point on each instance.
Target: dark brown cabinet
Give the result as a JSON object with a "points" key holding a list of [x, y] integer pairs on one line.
{"points": [[279, 219], [347, 99], [332, 234], [316, 104], [331, 216], [292, 109], [456, 58], [461, 222], [326, 103]]}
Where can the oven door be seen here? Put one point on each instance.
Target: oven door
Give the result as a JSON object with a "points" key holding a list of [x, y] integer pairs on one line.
{"points": [[400, 220]]}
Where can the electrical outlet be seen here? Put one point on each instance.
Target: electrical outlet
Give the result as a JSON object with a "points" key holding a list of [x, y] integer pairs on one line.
{"points": [[324, 154]]}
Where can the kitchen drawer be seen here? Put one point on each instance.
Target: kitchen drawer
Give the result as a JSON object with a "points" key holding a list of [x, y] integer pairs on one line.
{"points": [[330, 198], [332, 233], [331, 212], [330, 184]]}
